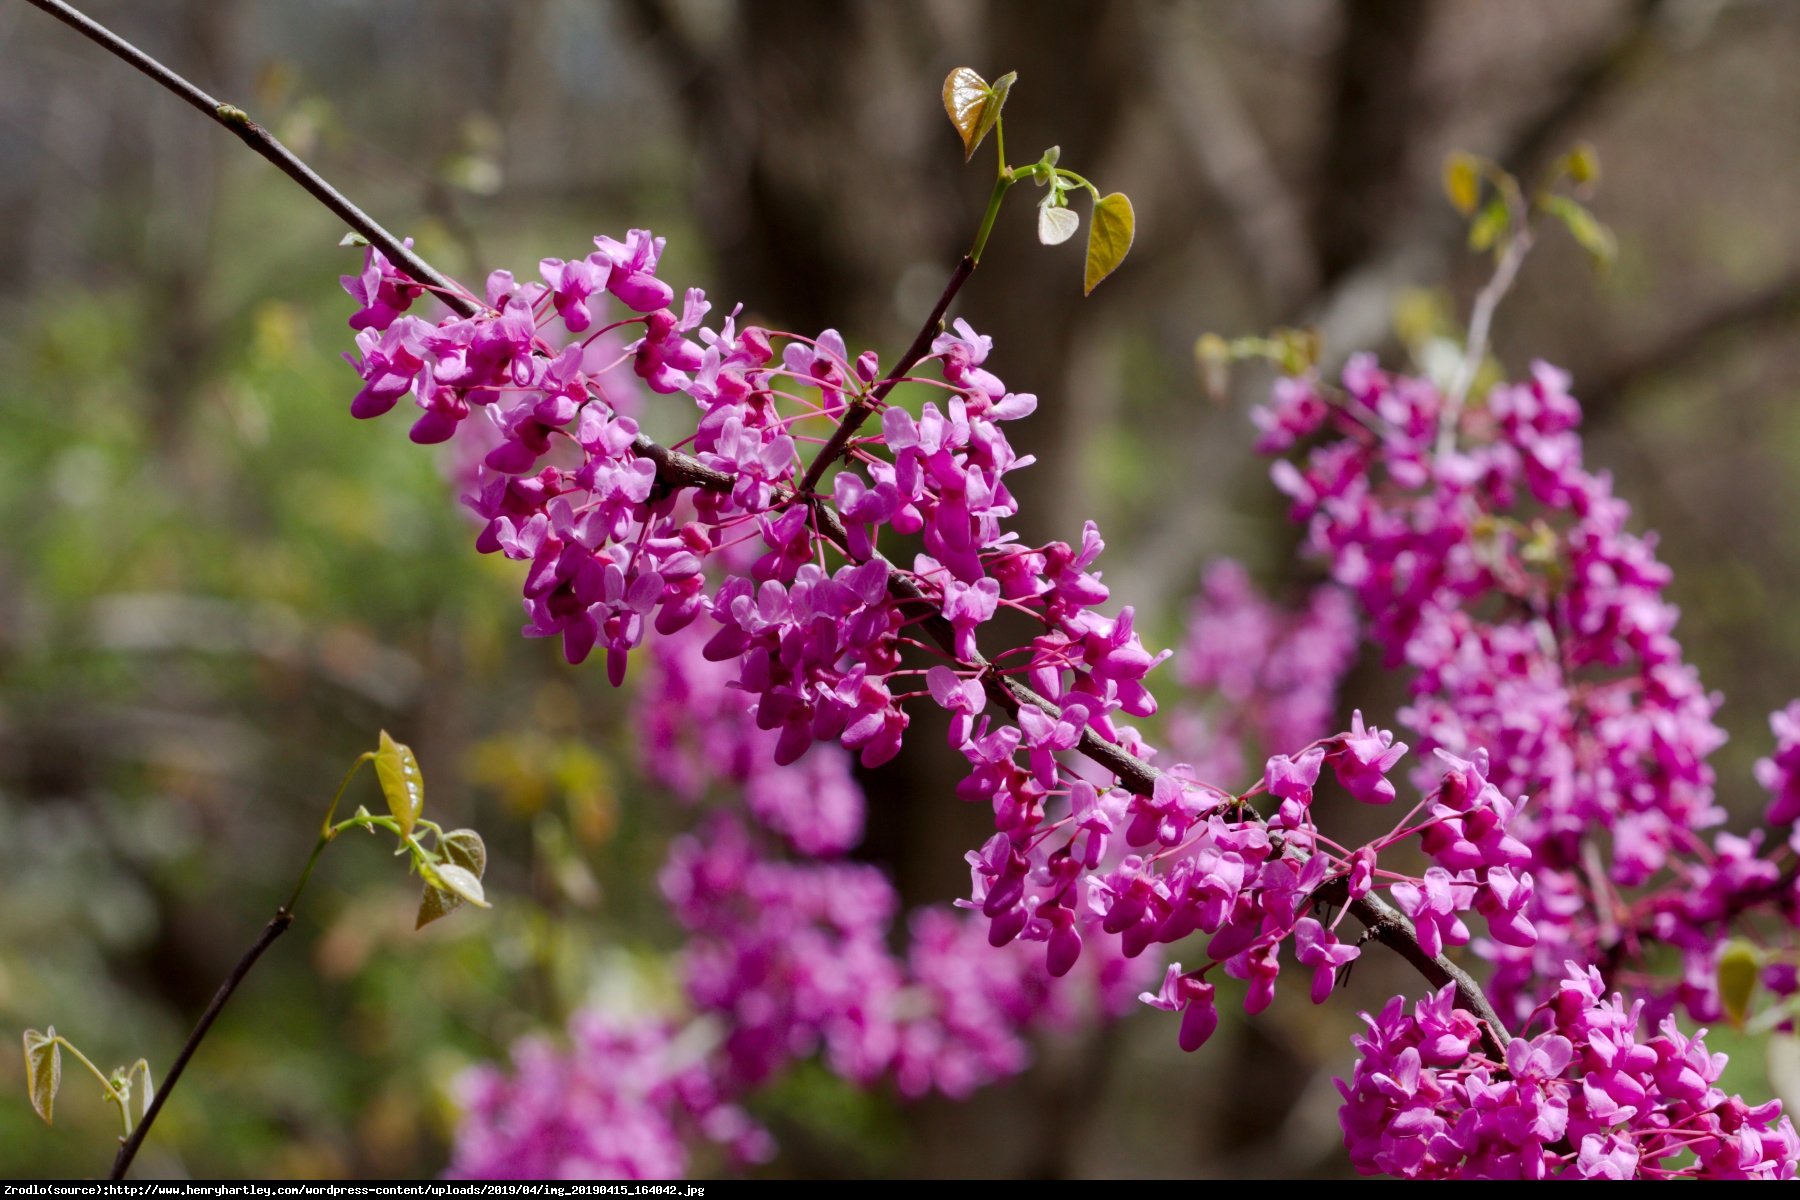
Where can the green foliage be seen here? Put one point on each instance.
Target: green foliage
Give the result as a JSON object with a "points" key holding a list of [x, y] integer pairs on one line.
{"points": [[401, 783], [1110, 234], [43, 1070], [973, 105]]}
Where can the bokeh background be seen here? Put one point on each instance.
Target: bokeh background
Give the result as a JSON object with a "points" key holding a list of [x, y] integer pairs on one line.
{"points": [[215, 587]]}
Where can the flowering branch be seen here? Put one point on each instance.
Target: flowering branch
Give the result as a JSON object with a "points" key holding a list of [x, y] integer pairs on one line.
{"points": [[676, 470]]}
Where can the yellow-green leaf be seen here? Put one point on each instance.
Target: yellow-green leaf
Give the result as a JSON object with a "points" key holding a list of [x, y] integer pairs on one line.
{"points": [[1462, 182], [1109, 239], [996, 100], [1739, 966], [1585, 228], [1583, 164], [1490, 226], [1300, 350], [967, 99], [43, 1070], [401, 781]]}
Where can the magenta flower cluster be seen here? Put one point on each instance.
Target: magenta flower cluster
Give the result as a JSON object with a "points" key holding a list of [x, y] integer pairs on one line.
{"points": [[792, 950], [1256, 675], [1592, 1097], [1499, 571], [624, 1102], [787, 954]]}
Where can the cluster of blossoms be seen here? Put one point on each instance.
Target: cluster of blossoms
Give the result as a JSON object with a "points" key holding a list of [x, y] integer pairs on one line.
{"points": [[1270, 676], [1592, 1097], [792, 950], [1499, 570], [787, 957], [623, 1102], [730, 535]]}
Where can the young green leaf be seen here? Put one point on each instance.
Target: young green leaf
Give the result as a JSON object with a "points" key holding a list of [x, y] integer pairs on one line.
{"points": [[142, 1067], [990, 112], [1583, 164], [1585, 228], [1490, 226], [458, 880], [464, 848], [967, 98], [1109, 239], [1462, 182], [1739, 966], [401, 782], [1056, 225], [43, 1070], [435, 904]]}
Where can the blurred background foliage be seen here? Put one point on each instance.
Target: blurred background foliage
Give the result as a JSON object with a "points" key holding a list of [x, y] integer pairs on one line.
{"points": [[215, 587]]}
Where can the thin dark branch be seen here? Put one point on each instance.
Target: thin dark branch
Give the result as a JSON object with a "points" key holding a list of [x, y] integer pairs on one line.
{"points": [[859, 411], [265, 144], [277, 926], [677, 470]]}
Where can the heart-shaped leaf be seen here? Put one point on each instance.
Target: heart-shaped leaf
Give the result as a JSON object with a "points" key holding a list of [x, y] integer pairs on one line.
{"points": [[464, 848], [1586, 228], [43, 1070], [435, 904], [966, 100], [1056, 225], [1109, 239], [459, 881], [401, 781]]}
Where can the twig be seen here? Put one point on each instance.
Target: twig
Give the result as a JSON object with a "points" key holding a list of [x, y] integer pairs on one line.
{"points": [[266, 144], [859, 411], [677, 470], [277, 926], [1481, 320]]}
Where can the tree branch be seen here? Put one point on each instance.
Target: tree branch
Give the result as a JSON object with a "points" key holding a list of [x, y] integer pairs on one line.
{"points": [[859, 411], [677, 470], [1766, 308], [269, 147], [128, 1148]]}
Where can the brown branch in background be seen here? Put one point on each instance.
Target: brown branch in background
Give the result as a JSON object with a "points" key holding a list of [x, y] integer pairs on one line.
{"points": [[1588, 82], [1230, 154], [1363, 182], [677, 470], [1766, 309]]}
